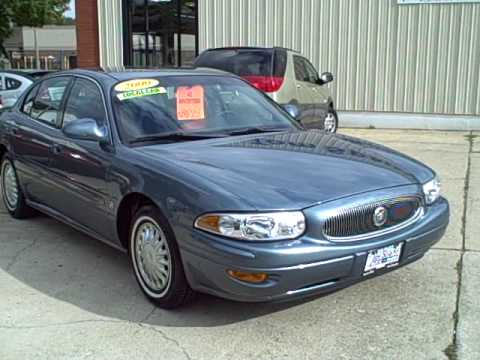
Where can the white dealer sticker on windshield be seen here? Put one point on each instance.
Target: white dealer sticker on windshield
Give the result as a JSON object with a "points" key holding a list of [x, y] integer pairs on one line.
{"points": [[142, 92], [136, 84]]}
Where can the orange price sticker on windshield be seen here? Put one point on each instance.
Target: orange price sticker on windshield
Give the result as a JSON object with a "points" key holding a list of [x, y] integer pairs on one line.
{"points": [[190, 103]]}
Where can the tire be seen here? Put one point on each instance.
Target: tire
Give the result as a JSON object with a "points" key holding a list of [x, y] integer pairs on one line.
{"points": [[156, 260], [15, 200], [330, 123]]}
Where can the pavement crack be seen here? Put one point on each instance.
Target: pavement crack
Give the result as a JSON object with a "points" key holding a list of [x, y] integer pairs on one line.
{"points": [[149, 314], [19, 253], [168, 338], [451, 351]]}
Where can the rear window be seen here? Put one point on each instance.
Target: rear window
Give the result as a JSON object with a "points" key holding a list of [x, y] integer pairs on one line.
{"points": [[11, 83], [245, 62]]}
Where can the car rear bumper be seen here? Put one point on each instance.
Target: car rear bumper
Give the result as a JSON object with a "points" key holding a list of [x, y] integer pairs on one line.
{"points": [[302, 267]]}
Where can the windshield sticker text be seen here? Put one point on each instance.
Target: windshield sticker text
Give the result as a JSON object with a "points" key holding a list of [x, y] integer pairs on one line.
{"points": [[190, 103], [142, 92], [136, 84]]}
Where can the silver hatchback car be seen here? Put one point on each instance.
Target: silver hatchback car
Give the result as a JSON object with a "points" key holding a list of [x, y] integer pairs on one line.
{"points": [[284, 75], [12, 85]]}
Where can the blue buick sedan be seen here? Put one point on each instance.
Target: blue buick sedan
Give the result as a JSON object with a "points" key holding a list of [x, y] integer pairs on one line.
{"points": [[210, 186]]}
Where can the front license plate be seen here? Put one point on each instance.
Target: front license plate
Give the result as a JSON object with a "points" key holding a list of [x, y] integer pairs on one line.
{"points": [[386, 257]]}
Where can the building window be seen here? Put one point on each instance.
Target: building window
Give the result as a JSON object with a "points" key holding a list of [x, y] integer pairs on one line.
{"points": [[160, 33]]}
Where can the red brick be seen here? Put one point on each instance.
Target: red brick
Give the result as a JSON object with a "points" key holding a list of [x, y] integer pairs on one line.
{"points": [[87, 33]]}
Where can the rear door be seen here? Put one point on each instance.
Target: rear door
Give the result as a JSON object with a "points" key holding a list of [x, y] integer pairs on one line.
{"points": [[36, 126], [305, 93]]}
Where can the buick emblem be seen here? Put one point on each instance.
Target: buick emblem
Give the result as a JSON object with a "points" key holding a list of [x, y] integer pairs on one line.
{"points": [[379, 216]]}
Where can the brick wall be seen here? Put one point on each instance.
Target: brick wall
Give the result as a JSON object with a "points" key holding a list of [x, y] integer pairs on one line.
{"points": [[87, 33]]}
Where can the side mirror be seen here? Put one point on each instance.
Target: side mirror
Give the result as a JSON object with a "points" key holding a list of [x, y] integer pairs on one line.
{"points": [[86, 129], [326, 77], [293, 110]]}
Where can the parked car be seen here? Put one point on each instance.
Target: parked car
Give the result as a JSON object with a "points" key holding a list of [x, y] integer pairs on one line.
{"points": [[284, 75], [209, 186], [12, 85]]}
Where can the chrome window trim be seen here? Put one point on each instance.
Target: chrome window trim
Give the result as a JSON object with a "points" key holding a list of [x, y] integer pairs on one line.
{"points": [[57, 123], [414, 218]]}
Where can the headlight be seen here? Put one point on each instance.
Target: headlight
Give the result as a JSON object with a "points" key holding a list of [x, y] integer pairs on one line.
{"points": [[431, 190], [266, 226]]}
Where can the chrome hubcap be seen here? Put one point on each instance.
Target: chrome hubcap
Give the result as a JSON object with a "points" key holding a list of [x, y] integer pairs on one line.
{"points": [[329, 123], [10, 186], [152, 256]]}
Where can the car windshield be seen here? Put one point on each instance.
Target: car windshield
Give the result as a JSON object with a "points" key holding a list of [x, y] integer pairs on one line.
{"points": [[174, 107]]}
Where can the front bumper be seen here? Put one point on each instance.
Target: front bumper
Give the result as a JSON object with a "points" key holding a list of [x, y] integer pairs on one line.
{"points": [[301, 267]]}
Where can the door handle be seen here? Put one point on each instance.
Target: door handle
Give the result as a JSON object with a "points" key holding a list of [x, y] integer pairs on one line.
{"points": [[56, 149], [13, 131]]}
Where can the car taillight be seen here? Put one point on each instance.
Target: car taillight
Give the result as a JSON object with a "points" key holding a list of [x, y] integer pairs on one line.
{"points": [[265, 83]]}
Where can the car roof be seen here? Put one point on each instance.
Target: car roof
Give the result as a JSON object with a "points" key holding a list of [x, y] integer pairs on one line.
{"points": [[121, 74], [36, 74], [19, 73], [259, 48]]}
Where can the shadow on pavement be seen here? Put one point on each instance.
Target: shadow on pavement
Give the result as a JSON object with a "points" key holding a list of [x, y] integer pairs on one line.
{"points": [[68, 266]]}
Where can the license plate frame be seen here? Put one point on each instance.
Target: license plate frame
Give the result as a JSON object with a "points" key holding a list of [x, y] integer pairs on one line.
{"points": [[383, 258]]}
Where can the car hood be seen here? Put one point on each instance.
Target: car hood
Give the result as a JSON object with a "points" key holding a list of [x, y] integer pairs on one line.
{"points": [[293, 170]]}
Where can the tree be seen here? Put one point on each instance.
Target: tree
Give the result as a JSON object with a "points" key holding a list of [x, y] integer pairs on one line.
{"points": [[37, 13], [32, 13], [5, 25]]}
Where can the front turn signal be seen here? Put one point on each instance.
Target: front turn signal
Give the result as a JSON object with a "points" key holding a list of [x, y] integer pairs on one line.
{"points": [[254, 278]]}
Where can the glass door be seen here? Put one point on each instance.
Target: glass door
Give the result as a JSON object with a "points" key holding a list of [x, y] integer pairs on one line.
{"points": [[160, 33]]}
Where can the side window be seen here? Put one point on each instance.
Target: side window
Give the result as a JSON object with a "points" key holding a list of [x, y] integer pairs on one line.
{"points": [[301, 73], [1, 82], [85, 101], [312, 72], [47, 104], [28, 103], [11, 83]]}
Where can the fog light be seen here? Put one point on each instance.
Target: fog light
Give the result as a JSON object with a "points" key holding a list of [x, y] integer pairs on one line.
{"points": [[254, 278]]}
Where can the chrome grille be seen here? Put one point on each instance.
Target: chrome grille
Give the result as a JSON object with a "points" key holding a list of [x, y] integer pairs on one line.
{"points": [[357, 223]]}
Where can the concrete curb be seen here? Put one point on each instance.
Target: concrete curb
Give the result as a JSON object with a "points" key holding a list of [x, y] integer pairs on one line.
{"points": [[384, 120]]}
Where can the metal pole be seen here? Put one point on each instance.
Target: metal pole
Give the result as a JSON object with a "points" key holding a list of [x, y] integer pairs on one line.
{"points": [[37, 51]]}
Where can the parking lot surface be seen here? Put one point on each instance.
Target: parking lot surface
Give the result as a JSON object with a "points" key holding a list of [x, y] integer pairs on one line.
{"points": [[64, 295]]}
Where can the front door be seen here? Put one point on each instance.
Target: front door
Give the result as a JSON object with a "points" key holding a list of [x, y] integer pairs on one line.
{"points": [[80, 167], [321, 95], [305, 95]]}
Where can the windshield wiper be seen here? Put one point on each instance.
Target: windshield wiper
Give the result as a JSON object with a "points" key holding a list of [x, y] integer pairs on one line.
{"points": [[256, 130], [175, 135]]}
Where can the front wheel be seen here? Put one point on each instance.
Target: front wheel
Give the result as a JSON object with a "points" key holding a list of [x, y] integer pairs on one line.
{"points": [[156, 260], [330, 123], [12, 194]]}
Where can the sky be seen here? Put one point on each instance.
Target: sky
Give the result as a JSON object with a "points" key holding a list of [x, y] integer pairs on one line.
{"points": [[71, 12]]}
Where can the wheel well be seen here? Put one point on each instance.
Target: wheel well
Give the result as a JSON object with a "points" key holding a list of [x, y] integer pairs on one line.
{"points": [[128, 206]]}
